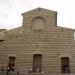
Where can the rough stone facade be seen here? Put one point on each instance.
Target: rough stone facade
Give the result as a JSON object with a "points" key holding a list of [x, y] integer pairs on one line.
{"points": [[39, 35]]}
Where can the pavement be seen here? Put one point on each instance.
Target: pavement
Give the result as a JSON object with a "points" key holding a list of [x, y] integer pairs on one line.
{"points": [[23, 73]]}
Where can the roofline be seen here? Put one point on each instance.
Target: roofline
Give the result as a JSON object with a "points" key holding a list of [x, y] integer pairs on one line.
{"points": [[38, 9]]}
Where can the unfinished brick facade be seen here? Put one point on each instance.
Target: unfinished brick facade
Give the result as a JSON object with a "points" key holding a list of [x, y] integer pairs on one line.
{"points": [[40, 39]]}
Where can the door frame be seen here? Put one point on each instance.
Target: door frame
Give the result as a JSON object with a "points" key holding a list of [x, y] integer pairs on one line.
{"points": [[33, 67]]}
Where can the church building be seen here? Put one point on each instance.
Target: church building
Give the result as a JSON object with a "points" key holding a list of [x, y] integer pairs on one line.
{"points": [[39, 45]]}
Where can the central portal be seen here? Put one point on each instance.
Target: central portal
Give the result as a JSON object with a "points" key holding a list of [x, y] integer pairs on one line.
{"points": [[37, 63]]}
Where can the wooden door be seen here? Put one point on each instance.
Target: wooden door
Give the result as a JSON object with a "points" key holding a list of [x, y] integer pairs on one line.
{"points": [[37, 62], [65, 65]]}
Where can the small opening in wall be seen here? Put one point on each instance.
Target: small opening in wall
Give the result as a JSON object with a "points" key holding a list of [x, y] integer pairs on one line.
{"points": [[1, 40]]}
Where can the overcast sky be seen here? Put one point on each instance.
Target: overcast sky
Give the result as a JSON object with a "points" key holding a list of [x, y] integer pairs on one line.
{"points": [[11, 10]]}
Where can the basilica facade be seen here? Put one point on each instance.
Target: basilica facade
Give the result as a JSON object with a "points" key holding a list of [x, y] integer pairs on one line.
{"points": [[38, 45]]}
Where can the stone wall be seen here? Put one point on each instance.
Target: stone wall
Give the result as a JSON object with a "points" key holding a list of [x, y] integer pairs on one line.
{"points": [[52, 43]]}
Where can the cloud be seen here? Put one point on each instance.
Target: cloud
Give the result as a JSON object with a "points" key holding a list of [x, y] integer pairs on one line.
{"points": [[10, 11], [9, 16]]}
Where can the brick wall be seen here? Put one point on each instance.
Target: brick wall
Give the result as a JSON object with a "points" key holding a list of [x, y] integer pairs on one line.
{"points": [[52, 42]]}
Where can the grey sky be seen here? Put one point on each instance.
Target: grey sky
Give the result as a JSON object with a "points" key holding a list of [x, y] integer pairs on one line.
{"points": [[11, 10]]}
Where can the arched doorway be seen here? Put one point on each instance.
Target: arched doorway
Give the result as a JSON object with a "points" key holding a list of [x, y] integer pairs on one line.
{"points": [[37, 63]]}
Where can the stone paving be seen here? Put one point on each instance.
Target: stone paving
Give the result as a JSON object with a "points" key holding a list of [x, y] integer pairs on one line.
{"points": [[23, 73]]}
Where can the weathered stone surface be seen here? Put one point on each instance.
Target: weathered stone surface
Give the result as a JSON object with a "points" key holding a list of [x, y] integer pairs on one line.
{"points": [[51, 41]]}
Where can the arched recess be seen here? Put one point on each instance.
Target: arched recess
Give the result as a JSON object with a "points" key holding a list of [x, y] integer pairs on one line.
{"points": [[38, 23], [37, 62]]}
